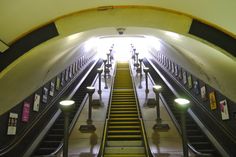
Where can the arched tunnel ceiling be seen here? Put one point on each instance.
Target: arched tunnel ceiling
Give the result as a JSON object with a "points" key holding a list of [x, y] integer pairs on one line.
{"points": [[76, 28], [20, 17]]}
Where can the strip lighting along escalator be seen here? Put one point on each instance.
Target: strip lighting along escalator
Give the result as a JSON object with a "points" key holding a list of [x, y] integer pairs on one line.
{"points": [[124, 135], [197, 140], [52, 140]]}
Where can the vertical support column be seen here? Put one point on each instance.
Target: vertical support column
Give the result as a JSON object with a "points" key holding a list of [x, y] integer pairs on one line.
{"points": [[66, 107], [157, 90], [183, 105], [146, 70], [90, 91], [99, 70], [105, 73]]}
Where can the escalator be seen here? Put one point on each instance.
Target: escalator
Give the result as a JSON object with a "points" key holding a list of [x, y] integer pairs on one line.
{"points": [[197, 140], [52, 141], [125, 136]]}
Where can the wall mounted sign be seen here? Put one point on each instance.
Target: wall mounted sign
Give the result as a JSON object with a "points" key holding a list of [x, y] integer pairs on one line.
{"points": [[62, 78], [212, 99], [67, 74], [173, 68], [224, 110], [12, 122], [25, 112], [70, 71], [36, 102], [196, 87], [58, 82], [169, 65], [176, 70], [203, 93], [76, 66], [45, 95], [180, 73], [52, 88], [190, 83], [184, 77]]}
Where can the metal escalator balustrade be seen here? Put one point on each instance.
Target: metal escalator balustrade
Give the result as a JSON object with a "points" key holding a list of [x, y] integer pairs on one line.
{"points": [[52, 141], [197, 140], [124, 134]]}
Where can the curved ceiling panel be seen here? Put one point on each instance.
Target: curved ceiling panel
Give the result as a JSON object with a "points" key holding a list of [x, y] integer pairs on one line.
{"points": [[21, 17]]}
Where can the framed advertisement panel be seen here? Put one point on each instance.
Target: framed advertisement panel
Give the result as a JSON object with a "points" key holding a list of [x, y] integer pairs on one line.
{"points": [[190, 82], [196, 87], [12, 123], [176, 70], [58, 82], [25, 112], [184, 77], [180, 76], [212, 99], [203, 93], [52, 88], [45, 95], [224, 109], [36, 102]]}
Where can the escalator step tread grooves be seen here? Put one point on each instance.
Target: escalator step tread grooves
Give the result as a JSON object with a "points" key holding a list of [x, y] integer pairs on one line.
{"points": [[123, 123], [54, 137], [193, 131]]}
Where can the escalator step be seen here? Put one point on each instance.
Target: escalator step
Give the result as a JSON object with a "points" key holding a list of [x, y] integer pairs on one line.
{"points": [[124, 112], [124, 127], [124, 137], [124, 123], [47, 144], [125, 119], [124, 108], [201, 145], [124, 132], [45, 151], [57, 131]]}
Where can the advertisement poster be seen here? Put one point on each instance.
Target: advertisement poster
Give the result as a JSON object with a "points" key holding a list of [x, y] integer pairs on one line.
{"points": [[184, 77], [45, 95], [180, 73], [52, 88], [203, 93], [36, 102], [173, 68], [167, 63], [196, 87], [67, 74], [70, 71], [176, 70], [190, 83], [170, 65], [224, 110], [25, 112], [74, 68], [212, 99], [12, 121], [58, 82], [165, 60], [62, 78]]}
